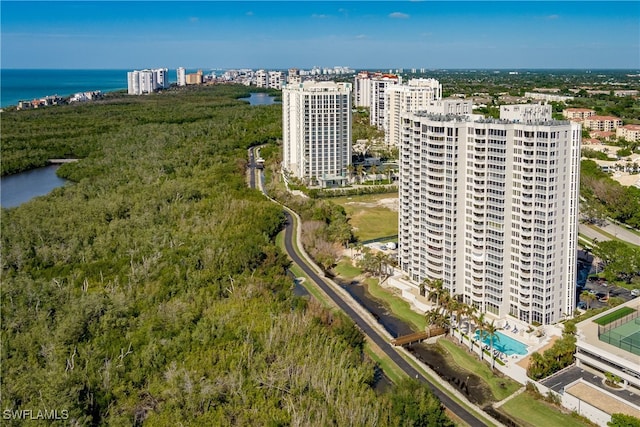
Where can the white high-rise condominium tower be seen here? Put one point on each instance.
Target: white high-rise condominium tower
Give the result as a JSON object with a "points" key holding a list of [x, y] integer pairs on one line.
{"points": [[182, 76], [146, 81], [316, 132], [414, 96], [490, 207], [379, 84], [362, 89]]}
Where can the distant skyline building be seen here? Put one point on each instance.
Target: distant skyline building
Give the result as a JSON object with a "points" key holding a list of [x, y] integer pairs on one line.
{"points": [[490, 207], [317, 127], [414, 96], [147, 81], [181, 75]]}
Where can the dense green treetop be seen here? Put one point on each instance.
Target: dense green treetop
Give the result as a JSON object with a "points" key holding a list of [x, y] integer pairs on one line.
{"points": [[150, 290]]}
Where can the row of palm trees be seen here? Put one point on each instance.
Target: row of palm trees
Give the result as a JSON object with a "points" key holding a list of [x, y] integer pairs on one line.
{"points": [[447, 306], [359, 171]]}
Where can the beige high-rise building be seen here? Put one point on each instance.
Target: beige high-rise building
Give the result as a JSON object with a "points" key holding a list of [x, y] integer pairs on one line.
{"points": [[317, 122], [379, 84], [416, 95], [490, 207]]}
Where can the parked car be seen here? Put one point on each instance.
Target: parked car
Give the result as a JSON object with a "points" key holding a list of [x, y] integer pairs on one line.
{"points": [[582, 305], [635, 292]]}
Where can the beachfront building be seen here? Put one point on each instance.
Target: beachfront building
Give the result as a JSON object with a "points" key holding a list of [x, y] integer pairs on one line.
{"points": [[490, 207], [146, 81], [181, 75], [316, 132], [416, 95]]}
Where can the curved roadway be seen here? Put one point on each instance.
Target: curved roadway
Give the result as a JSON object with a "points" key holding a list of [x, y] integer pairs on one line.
{"points": [[366, 328]]}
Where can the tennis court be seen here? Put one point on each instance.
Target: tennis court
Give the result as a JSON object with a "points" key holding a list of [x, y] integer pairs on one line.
{"points": [[625, 336]]}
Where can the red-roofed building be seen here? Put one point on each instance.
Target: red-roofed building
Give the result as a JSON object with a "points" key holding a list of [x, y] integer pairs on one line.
{"points": [[604, 123], [629, 132], [578, 113]]}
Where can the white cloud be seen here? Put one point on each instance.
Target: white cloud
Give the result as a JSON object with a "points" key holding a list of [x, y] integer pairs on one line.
{"points": [[319, 16], [553, 16], [398, 15]]}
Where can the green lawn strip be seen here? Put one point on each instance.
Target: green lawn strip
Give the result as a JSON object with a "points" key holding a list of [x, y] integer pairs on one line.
{"points": [[468, 362], [529, 411], [398, 306], [391, 370], [613, 316], [346, 270]]}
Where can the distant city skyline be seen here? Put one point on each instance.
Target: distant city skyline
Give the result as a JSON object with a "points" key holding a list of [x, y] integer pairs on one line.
{"points": [[304, 34]]}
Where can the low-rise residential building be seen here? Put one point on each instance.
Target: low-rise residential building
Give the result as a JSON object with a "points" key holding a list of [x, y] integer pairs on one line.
{"points": [[549, 97], [604, 123], [578, 113], [629, 132]]}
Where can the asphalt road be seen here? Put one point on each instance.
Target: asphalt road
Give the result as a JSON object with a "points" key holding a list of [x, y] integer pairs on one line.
{"points": [[372, 333], [366, 328]]}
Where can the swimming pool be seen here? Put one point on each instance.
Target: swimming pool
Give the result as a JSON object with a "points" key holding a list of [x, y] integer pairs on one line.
{"points": [[505, 344]]}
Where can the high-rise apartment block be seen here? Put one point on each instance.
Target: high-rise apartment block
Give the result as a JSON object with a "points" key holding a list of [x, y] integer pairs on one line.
{"points": [[490, 207], [147, 81], [182, 76], [317, 132], [416, 95], [269, 79], [379, 84], [370, 92]]}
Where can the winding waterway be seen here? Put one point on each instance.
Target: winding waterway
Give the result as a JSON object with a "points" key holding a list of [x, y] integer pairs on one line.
{"points": [[21, 187]]}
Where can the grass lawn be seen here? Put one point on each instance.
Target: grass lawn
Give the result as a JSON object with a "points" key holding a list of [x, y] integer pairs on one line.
{"points": [[531, 412], [369, 219], [397, 305], [346, 270], [615, 315], [468, 362]]}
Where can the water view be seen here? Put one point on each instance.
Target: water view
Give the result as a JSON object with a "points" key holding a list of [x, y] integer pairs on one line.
{"points": [[260, 99], [22, 187]]}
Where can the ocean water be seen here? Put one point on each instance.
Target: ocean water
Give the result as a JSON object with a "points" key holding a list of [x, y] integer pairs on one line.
{"points": [[22, 85]]}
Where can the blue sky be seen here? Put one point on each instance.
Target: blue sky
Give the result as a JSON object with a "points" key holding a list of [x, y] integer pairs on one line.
{"points": [[283, 34]]}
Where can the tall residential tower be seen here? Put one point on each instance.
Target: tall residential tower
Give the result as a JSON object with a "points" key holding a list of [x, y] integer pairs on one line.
{"points": [[490, 207], [316, 118]]}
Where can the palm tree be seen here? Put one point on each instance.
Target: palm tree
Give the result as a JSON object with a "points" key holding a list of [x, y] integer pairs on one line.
{"points": [[470, 312], [360, 172], [387, 170], [374, 170], [490, 331], [436, 290], [587, 297], [460, 308], [479, 321], [423, 287], [351, 169]]}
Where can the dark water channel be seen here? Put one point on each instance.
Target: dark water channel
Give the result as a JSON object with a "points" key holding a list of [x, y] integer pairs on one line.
{"points": [[467, 383]]}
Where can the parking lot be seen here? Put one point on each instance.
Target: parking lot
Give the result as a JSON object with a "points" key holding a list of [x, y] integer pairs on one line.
{"points": [[603, 290]]}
